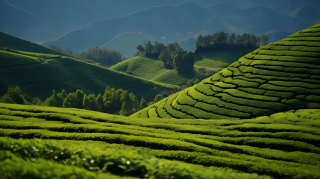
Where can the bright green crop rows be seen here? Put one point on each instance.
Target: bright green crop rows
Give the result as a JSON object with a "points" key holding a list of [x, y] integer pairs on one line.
{"points": [[283, 145], [278, 77]]}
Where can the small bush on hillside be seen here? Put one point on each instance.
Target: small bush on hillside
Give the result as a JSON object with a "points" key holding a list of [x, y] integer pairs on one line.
{"points": [[14, 95]]}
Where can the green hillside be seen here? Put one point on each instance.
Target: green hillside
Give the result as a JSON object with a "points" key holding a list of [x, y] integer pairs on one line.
{"points": [[16, 43], [281, 76], [151, 69], [39, 74], [80, 143]]}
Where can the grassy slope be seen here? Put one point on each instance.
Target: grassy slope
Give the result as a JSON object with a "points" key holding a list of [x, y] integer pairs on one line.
{"points": [[281, 76], [16, 43], [38, 74], [150, 68], [286, 146]]}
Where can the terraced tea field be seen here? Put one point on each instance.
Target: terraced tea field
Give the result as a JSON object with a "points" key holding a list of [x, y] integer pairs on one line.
{"points": [[281, 76], [38, 74], [283, 145]]}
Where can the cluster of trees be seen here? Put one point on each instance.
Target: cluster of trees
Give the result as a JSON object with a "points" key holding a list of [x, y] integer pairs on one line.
{"points": [[67, 50], [192, 82], [112, 101], [172, 56], [223, 38], [101, 56], [105, 57], [151, 50]]}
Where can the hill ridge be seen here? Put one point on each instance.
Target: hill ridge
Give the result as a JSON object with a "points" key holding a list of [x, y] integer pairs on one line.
{"points": [[281, 76]]}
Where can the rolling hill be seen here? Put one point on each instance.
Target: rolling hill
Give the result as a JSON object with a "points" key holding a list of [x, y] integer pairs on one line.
{"points": [[39, 73], [308, 13], [278, 77], [16, 43], [255, 20], [151, 68], [157, 22]]}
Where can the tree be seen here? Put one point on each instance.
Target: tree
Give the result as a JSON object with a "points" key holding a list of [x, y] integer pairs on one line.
{"points": [[143, 103], [54, 100], [258, 41], [14, 95], [79, 94], [127, 106], [36, 101], [165, 58], [140, 49], [148, 47], [69, 101], [199, 41], [196, 81], [55, 48], [232, 38], [158, 98], [253, 39], [239, 39], [183, 62], [264, 39], [89, 102], [99, 102], [68, 51], [135, 103]]}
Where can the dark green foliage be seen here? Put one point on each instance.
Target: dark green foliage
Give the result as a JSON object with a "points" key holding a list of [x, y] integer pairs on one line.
{"points": [[158, 98], [143, 103], [14, 95], [183, 62], [222, 40], [112, 101], [36, 101], [196, 81], [105, 57], [127, 104]]}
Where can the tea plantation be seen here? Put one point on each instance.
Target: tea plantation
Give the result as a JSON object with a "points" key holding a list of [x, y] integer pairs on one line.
{"points": [[281, 76], [259, 118], [87, 144]]}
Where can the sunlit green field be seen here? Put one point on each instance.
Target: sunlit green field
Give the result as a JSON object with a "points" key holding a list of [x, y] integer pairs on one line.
{"points": [[284, 145], [151, 69]]}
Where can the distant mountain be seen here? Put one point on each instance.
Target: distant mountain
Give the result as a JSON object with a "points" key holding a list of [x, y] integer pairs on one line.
{"points": [[276, 35], [161, 21], [308, 13], [286, 7], [255, 20], [18, 21], [188, 43]]}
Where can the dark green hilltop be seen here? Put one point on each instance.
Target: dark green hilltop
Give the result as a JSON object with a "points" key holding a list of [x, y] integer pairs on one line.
{"points": [[38, 70], [278, 77]]}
